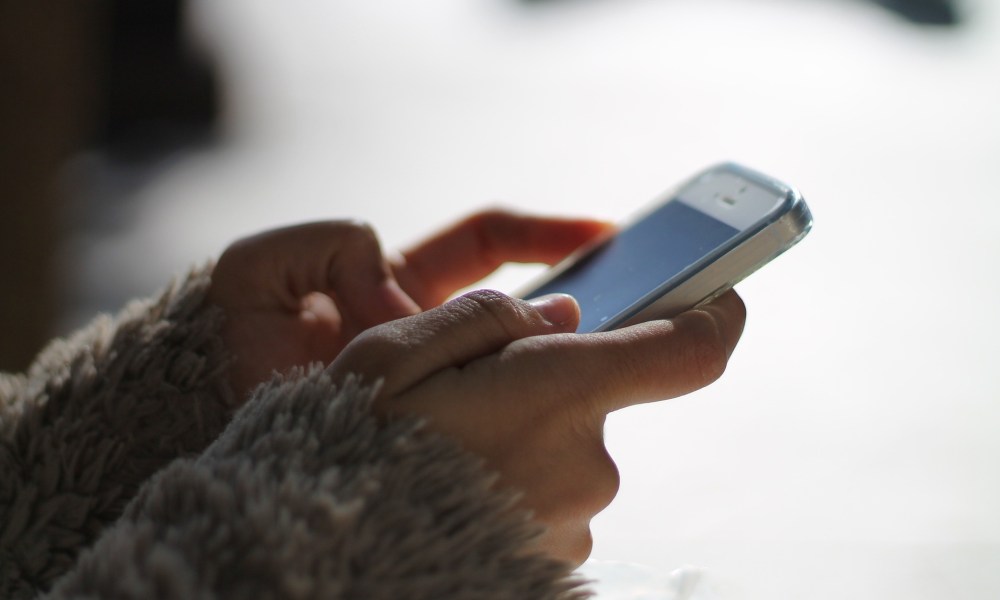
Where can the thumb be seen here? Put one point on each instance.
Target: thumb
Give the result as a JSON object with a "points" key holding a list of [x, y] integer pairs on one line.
{"points": [[407, 351]]}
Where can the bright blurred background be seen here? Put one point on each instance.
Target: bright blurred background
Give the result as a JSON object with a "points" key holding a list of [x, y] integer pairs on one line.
{"points": [[852, 450]]}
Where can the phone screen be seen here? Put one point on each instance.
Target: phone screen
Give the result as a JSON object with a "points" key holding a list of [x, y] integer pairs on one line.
{"points": [[637, 261]]}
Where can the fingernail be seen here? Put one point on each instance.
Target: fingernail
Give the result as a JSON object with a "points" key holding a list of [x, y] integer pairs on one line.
{"points": [[557, 309]]}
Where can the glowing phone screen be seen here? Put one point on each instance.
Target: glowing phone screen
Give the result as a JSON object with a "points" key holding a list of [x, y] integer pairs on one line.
{"points": [[637, 261]]}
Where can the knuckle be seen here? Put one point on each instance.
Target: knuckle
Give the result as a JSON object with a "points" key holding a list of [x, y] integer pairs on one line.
{"points": [[489, 227], [503, 312], [607, 484], [571, 542], [603, 482], [490, 217], [231, 255], [600, 480], [355, 256], [356, 231], [581, 547], [371, 349], [241, 251]]}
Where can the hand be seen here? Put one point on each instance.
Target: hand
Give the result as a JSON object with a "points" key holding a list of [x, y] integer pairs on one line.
{"points": [[508, 381], [298, 295]]}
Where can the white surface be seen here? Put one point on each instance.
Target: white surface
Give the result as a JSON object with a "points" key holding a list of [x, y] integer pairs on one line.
{"points": [[630, 581], [852, 449]]}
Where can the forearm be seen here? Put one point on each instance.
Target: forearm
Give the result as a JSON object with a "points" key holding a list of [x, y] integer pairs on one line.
{"points": [[305, 495], [96, 415]]}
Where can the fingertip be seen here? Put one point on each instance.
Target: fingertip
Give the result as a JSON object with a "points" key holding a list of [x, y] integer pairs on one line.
{"points": [[733, 301], [559, 310], [599, 227], [728, 311]]}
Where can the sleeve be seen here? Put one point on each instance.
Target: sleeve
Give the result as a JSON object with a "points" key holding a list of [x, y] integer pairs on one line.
{"points": [[306, 495], [95, 416]]}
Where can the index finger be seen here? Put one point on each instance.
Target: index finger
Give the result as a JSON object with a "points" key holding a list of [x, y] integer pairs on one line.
{"points": [[647, 362], [473, 248]]}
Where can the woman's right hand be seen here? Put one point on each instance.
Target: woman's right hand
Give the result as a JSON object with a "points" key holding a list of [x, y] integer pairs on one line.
{"points": [[510, 382]]}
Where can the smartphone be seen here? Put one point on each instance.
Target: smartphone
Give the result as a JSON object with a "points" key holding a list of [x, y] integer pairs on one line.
{"points": [[696, 242]]}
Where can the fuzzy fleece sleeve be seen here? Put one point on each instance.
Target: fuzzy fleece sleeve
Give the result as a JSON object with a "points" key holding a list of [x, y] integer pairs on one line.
{"points": [[95, 416], [305, 495]]}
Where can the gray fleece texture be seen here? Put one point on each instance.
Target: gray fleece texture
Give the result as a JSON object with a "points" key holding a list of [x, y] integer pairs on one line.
{"points": [[124, 474]]}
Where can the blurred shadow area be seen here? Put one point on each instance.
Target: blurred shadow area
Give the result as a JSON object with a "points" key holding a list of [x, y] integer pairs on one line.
{"points": [[940, 13], [158, 94], [115, 78], [925, 12]]}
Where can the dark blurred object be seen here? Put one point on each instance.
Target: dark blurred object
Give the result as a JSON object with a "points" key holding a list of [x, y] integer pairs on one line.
{"points": [[924, 12], [158, 95], [48, 59], [111, 75]]}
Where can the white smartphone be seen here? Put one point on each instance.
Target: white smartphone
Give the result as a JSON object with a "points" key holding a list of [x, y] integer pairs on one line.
{"points": [[697, 241]]}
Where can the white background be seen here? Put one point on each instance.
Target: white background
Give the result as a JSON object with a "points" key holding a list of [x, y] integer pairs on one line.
{"points": [[852, 450]]}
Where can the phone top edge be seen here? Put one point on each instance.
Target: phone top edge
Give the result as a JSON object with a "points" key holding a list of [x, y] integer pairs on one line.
{"points": [[752, 174], [790, 194], [736, 196]]}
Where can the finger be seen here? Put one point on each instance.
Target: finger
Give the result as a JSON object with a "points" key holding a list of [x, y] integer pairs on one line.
{"points": [[406, 351], [339, 258], [582, 482], [650, 361], [729, 311], [474, 247], [571, 542]]}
